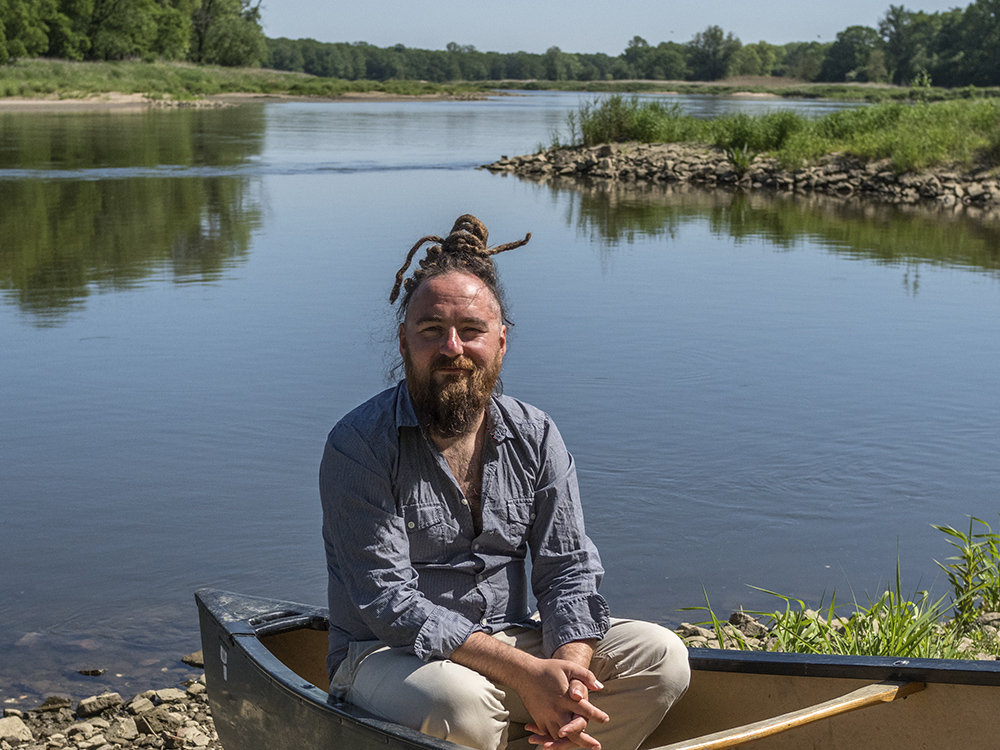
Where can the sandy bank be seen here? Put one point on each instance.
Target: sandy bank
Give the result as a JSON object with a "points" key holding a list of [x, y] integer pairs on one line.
{"points": [[117, 102]]}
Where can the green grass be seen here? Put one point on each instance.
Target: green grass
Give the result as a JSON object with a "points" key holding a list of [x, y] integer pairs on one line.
{"points": [[64, 79], [891, 624], [915, 136]]}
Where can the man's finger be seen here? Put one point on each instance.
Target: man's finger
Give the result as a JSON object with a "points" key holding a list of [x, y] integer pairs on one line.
{"points": [[575, 725], [590, 712], [585, 676]]}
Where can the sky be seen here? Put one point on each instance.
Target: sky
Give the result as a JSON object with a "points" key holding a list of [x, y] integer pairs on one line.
{"points": [[580, 26]]}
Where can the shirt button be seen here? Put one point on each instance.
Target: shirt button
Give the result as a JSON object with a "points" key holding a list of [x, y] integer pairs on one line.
{"points": [[475, 546], [483, 622], [479, 579], [464, 501], [411, 525]]}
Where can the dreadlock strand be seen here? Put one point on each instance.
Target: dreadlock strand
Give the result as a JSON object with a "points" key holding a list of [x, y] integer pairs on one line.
{"points": [[409, 257], [509, 245]]}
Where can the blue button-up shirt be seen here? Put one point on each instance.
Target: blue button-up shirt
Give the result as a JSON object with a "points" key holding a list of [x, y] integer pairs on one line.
{"points": [[406, 566]]}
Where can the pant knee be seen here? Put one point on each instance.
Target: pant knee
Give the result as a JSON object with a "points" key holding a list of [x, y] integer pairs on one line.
{"points": [[656, 653], [468, 712]]}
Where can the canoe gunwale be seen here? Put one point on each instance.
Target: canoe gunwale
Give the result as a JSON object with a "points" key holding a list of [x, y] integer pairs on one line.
{"points": [[872, 668]]}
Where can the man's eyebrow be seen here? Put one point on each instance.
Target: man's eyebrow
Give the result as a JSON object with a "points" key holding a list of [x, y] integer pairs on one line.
{"points": [[466, 320]]}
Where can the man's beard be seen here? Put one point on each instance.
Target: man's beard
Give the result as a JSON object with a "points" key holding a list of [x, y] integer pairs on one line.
{"points": [[451, 408]]}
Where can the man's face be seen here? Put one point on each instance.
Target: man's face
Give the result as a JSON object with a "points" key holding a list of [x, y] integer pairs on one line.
{"points": [[452, 343]]}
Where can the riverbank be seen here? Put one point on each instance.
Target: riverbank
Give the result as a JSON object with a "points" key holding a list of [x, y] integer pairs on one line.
{"points": [[119, 102], [173, 717], [62, 85], [758, 86], [837, 175]]}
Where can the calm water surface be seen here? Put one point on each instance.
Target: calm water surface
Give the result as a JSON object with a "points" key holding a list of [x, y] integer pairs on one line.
{"points": [[757, 391]]}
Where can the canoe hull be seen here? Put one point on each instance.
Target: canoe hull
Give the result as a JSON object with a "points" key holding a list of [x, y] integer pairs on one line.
{"points": [[258, 701], [265, 667]]}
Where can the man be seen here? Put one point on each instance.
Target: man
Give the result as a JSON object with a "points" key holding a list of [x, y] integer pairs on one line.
{"points": [[434, 494]]}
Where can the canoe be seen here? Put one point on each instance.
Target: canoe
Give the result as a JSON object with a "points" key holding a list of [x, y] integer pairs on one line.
{"points": [[265, 665]]}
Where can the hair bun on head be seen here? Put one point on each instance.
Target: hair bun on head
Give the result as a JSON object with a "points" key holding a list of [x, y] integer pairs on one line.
{"points": [[465, 248]]}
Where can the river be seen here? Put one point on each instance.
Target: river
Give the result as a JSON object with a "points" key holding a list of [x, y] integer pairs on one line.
{"points": [[758, 391]]}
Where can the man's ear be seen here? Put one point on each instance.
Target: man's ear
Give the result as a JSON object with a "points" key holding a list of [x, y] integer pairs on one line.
{"points": [[503, 339], [402, 340]]}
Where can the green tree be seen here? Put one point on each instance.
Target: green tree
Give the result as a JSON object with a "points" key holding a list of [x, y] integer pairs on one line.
{"points": [[637, 55], [25, 30], [4, 57], [910, 42], [803, 60], [122, 29], [762, 56], [980, 39], [667, 62], [69, 26], [227, 32], [876, 70], [747, 62], [711, 53], [847, 59], [173, 28]]}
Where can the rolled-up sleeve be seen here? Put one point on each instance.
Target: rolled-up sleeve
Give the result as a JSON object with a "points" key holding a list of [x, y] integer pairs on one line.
{"points": [[566, 568], [368, 556]]}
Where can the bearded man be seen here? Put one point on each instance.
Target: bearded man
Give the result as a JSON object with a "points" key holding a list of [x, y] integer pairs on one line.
{"points": [[435, 492]]}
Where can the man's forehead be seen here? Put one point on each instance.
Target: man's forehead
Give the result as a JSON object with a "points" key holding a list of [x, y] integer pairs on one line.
{"points": [[453, 295]]}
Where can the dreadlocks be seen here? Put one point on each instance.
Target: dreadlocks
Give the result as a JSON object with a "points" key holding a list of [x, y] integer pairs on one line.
{"points": [[465, 249]]}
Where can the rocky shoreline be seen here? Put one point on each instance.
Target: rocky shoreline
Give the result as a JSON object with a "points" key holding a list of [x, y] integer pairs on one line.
{"points": [[836, 175], [176, 717]]}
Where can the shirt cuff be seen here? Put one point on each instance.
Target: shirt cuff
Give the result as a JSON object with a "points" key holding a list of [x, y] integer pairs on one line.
{"points": [[441, 633], [577, 619]]}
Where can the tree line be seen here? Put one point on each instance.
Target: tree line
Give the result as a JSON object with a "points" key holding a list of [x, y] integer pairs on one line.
{"points": [[222, 32], [951, 48]]}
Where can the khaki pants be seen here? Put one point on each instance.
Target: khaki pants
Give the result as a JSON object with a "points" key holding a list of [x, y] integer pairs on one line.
{"points": [[644, 669]]}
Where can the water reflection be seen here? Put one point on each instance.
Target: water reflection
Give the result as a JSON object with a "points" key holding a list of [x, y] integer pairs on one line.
{"points": [[184, 137], [64, 238], [616, 213]]}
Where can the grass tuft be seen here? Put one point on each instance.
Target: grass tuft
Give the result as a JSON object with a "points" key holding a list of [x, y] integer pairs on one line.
{"points": [[914, 136], [892, 624]]}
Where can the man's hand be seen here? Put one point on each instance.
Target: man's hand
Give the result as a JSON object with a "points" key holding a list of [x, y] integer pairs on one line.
{"points": [[571, 733], [554, 691]]}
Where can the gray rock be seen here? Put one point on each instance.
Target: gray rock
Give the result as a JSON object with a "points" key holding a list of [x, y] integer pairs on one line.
{"points": [[13, 728], [170, 695], [54, 703], [97, 703], [140, 705], [747, 625]]}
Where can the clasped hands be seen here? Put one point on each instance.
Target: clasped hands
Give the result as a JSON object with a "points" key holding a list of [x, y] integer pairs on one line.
{"points": [[556, 693]]}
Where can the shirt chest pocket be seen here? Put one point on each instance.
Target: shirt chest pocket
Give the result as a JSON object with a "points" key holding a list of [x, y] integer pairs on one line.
{"points": [[429, 532], [520, 517]]}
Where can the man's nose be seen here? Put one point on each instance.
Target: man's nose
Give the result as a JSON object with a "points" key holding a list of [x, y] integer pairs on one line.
{"points": [[452, 344]]}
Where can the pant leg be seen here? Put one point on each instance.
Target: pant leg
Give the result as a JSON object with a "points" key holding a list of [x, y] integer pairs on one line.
{"points": [[439, 698], [644, 669]]}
